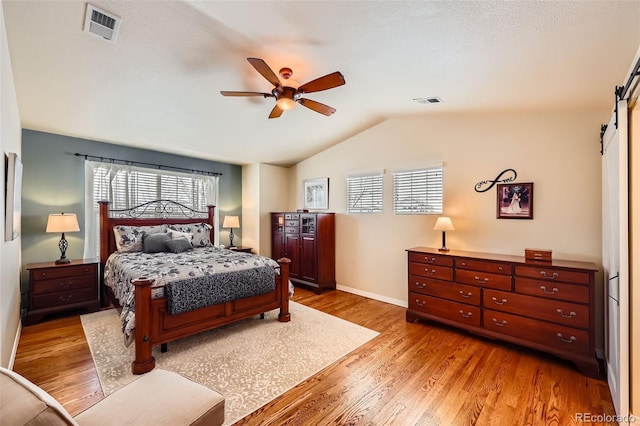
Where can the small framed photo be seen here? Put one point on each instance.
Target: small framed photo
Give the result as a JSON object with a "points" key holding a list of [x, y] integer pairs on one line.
{"points": [[515, 201], [316, 193]]}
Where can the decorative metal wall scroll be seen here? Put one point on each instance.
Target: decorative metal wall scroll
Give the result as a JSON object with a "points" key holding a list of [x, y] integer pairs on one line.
{"points": [[506, 176]]}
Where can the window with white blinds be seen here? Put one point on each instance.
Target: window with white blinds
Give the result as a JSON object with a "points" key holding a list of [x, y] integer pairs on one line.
{"points": [[418, 191], [128, 186], [364, 194]]}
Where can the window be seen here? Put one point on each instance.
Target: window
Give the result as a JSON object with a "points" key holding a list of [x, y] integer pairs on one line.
{"points": [[128, 186], [418, 191], [364, 194]]}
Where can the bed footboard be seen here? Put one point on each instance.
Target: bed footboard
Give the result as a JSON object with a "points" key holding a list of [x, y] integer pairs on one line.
{"points": [[155, 326]]}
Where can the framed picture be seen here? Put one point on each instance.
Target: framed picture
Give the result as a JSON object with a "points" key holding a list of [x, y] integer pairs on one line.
{"points": [[13, 191], [515, 201], [316, 193]]}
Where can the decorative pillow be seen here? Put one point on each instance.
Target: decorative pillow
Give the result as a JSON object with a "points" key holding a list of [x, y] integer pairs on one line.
{"points": [[129, 238], [177, 234], [201, 232], [178, 245], [155, 243]]}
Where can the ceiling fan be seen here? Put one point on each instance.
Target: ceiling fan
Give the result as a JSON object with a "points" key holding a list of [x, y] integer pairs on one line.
{"points": [[287, 92]]}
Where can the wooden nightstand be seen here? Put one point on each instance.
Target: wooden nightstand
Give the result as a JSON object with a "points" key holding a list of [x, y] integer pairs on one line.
{"points": [[241, 248], [56, 288]]}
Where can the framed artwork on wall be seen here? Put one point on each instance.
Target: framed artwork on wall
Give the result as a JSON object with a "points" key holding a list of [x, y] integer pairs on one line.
{"points": [[515, 201], [13, 191], [316, 193]]}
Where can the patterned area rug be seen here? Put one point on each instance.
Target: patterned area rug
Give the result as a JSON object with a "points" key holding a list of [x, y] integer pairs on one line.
{"points": [[250, 362]]}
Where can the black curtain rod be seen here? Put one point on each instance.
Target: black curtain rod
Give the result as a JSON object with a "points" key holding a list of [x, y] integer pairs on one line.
{"points": [[635, 72], [139, 163]]}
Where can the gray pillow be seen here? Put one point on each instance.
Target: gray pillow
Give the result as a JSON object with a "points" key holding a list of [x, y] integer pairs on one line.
{"points": [[155, 243], [178, 245]]}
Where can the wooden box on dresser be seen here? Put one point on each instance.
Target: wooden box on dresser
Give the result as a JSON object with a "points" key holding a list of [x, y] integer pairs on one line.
{"points": [[308, 240], [547, 306], [61, 287]]}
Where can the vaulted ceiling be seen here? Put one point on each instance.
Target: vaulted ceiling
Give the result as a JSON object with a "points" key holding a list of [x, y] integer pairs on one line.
{"points": [[158, 86]]}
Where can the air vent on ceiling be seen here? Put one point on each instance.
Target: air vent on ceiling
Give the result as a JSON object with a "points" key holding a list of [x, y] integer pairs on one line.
{"points": [[101, 23], [433, 100]]}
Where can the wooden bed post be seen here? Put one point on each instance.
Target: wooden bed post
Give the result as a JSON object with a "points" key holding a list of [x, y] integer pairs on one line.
{"points": [[284, 315], [144, 361]]}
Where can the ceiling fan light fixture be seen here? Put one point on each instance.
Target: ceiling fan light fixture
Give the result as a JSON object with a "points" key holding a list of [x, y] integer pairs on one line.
{"points": [[286, 104]]}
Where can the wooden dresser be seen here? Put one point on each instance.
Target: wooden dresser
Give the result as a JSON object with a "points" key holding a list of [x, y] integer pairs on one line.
{"points": [[547, 306], [308, 240], [61, 287]]}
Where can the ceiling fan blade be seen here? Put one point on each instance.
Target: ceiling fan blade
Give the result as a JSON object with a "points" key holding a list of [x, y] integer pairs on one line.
{"points": [[276, 112], [317, 106], [262, 67], [228, 93], [328, 81]]}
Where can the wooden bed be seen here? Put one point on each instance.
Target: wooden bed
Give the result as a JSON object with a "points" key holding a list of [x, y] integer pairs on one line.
{"points": [[154, 325]]}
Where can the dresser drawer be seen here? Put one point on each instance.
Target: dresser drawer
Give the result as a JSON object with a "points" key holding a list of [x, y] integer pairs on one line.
{"points": [[292, 223], [557, 291], [61, 298], [445, 289], [480, 265], [431, 271], [64, 284], [431, 259], [553, 274], [66, 271], [292, 230], [294, 216], [483, 279], [541, 332], [453, 311], [570, 314]]}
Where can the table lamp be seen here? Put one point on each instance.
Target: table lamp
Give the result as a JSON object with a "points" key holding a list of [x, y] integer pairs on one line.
{"points": [[231, 222], [63, 222], [444, 224]]}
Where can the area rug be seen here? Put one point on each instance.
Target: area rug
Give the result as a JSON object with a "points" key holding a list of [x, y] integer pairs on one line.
{"points": [[250, 362]]}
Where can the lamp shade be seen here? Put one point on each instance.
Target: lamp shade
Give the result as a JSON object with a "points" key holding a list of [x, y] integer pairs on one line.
{"points": [[62, 222], [444, 224], [231, 222]]}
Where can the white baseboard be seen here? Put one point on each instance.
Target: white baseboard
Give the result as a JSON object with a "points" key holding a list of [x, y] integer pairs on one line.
{"points": [[16, 341], [373, 296]]}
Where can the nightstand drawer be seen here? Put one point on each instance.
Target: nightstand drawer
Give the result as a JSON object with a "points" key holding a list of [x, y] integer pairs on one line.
{"points": [[63, 298], [63, 284], [66, 271]]}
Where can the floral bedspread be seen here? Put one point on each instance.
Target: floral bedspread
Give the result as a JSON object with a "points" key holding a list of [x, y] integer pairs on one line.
{"points": [[182, 276]]}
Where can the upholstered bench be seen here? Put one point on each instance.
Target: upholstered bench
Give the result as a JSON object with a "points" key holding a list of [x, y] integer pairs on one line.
{"points": [[159, 397]]}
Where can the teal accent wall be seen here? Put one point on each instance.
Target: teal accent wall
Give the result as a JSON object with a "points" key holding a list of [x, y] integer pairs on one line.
{"points": [[53, 182]]}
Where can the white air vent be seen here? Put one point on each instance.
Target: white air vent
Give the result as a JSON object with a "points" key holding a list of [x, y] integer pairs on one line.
{"points": [[433, 100], [101, 23]]}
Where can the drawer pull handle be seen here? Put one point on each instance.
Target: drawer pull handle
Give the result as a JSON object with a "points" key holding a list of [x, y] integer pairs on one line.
{"points": [[481, 281], [467, 315], [420, 285], [499, 324], [465, 295], [429, 260], [553, 290], [420, 302], [571, 314], [430, 272], [499, 268], [570, 340], [502, 302], [552, 277], [67, 298], [65, 285], [463, 263]]}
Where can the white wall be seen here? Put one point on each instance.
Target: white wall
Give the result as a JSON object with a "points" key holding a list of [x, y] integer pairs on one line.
{"points": [[10, 141], [557, 151]]}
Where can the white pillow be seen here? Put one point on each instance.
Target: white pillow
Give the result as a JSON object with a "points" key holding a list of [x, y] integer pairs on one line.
{"points": [[177, 234]]}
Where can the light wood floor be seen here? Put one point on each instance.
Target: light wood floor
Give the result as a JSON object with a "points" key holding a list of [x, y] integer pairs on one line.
{"points": [[411, 374]]}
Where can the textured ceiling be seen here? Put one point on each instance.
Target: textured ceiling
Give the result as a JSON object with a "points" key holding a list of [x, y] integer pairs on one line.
{"points": [[158, 86]]}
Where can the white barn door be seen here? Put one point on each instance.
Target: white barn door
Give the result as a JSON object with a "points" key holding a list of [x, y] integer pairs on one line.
{"points": [[615, 257]]}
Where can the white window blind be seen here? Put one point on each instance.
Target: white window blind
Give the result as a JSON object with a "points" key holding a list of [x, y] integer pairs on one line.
{"points": [[364, 194], [418, 191], [128, 186]]}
